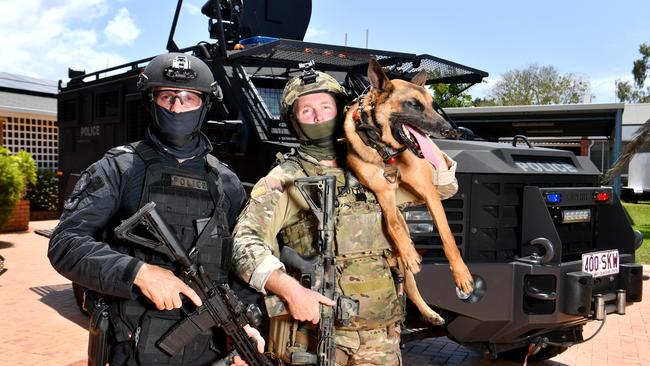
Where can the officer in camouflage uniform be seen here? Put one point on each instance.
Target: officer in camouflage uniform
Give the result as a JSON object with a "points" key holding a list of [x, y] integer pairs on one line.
{"points": [[277, 215]]}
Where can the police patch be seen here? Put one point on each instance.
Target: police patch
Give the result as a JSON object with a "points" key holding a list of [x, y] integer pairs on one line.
{"points": [[185, 182], [82, 184], [71, 203]]}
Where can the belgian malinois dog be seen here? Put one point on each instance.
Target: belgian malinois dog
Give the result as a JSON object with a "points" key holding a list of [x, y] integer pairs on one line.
{"points": [[386, 132]]}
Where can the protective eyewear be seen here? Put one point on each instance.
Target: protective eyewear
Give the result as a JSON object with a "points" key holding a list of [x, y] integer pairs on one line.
{"points": [[167, 98]]}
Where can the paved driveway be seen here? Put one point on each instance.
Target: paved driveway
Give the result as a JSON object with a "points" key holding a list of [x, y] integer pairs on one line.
{"points": [[41, 325]]}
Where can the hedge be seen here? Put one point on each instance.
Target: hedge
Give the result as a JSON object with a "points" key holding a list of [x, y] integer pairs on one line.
{"points": [[44, 194], [16, 170]]}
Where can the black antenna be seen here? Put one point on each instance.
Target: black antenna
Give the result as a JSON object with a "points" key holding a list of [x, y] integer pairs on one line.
{"points": [[222, 37], [171, 45], [212, 9]]}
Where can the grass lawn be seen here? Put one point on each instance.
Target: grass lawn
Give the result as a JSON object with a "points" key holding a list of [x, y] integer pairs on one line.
{"points": [[640, 215]]}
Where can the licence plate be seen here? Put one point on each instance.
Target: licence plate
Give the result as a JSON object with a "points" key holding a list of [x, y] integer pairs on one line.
{"points": [[600, 264]]}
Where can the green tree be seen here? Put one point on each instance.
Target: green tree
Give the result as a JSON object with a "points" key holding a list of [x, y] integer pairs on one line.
{"points": [[637, 92], [16, 171], [539, 85], [484, 102], [451, 95]]}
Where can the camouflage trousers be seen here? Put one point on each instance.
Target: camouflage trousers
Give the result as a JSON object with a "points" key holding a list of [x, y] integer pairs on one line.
{"points": [[378, 346]]}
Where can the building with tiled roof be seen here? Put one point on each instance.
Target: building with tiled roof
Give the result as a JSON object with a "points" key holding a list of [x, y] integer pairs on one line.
{"points": [[28, 109]]}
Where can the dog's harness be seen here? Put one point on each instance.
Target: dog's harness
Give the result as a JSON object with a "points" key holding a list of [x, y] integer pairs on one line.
{"points": [[371, 136]]}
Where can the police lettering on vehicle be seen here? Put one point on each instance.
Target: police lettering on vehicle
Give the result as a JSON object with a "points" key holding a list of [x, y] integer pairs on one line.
{"points": [[186, 182], [89, 131], [546, 167], [541, 166]]}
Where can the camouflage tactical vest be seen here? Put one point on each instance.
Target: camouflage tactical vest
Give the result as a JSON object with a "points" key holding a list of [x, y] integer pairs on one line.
{"points": [[361, 247]]}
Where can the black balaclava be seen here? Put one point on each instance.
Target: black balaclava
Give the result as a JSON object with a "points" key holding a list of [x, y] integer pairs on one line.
{"points": [[178, 134]]}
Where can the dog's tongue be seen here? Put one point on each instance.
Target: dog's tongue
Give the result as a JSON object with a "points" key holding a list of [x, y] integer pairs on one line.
{"points": [[425, 146]]}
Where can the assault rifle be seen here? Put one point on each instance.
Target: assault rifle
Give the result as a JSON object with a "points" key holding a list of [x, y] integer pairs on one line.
{"points": [[220, 308], [319, 273]]}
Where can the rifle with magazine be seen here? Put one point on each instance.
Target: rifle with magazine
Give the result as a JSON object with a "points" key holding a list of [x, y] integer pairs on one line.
{"points": [[220, 308], [319, 273]]}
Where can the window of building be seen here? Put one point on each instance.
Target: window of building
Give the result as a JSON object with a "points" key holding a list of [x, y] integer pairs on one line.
{"points": [[16, 136]]}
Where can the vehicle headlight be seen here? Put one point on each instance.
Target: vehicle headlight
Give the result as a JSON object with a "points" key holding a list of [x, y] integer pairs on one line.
{"points": [[420, 228], [418, 215], [573, 216]]}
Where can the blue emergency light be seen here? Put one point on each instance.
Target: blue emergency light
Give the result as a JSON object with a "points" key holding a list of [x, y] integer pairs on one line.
{"points": [[553, 197]]}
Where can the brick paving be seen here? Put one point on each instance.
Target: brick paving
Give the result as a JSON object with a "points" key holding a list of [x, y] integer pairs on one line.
{"points": [[41, 325]]}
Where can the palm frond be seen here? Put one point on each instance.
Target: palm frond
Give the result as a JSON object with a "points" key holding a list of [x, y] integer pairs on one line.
{"points": [[640, 140]]}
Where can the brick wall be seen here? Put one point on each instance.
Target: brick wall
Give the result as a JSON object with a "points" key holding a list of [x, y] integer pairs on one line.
{"points": [[43, 215], [20, 219]]}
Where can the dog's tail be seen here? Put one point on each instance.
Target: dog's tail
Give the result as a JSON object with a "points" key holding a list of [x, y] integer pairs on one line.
{"points": [[641, 139]]}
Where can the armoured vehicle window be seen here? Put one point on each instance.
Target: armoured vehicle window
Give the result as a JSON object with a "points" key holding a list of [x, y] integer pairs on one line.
{"points": [[137, 117], [271, 98], [68, 110], [107, 104]]}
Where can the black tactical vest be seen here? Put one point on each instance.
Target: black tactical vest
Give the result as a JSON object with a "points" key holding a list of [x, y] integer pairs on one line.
{"points": [[190, 202]]}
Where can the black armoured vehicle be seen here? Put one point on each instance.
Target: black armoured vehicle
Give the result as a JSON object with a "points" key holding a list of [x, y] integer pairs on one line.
{"points": [[549, 248]]}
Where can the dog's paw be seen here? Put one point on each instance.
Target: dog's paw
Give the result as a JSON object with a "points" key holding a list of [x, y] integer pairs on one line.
{"points": [[463, 279], [411, 260], [433, 318]]}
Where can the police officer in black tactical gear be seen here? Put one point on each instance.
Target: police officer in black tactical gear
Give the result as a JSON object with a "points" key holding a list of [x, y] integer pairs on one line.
{"points": [[172, 167]]}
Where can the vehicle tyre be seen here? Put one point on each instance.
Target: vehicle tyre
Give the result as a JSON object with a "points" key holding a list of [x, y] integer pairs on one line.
{"points": [[78, 291], [519, 354], [628, 195]]}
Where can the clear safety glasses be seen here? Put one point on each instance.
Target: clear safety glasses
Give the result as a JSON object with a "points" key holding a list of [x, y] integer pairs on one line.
{"points": [[189, 99]]}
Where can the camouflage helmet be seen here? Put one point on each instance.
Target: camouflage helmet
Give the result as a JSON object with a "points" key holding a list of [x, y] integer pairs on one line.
{"points": [[178, 70], [308, 83]]}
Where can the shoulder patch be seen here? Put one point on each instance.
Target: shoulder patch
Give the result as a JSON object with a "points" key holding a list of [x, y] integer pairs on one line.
{"points": [[258, 190], [82, 184], [266, 185]]}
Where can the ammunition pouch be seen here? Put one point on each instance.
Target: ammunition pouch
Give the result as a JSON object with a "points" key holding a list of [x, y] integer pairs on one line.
{"points": [[98, 328], [215, 256]]}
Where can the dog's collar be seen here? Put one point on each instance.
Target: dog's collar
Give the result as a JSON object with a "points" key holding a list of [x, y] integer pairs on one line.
{"points": [[371, 134]]}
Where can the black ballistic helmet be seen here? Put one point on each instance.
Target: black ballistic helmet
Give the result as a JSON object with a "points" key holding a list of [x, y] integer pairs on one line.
{"points": [[179, 70]]}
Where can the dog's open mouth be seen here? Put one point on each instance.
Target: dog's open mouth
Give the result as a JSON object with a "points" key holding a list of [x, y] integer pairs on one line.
{"points": [[418, 142]]}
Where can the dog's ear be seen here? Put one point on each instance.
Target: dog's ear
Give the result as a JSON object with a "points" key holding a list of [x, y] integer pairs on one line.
{"points": [[378, 78], [420, 78]]}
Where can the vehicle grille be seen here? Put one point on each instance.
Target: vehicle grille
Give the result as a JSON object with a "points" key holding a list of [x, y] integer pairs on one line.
{"points": [[485, 218]]}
